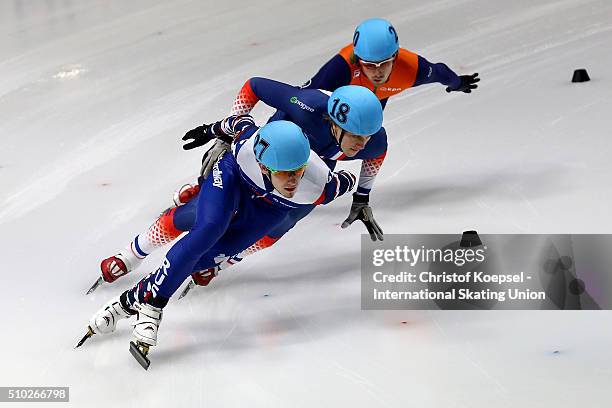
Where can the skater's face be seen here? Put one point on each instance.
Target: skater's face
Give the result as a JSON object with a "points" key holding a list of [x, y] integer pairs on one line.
{"points": [[285, 182], [378, 72], [350, 144]]}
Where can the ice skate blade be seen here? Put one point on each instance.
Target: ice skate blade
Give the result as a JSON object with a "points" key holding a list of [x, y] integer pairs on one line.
{"points": [[139, 351], [97, 283], [85, 337], [187, 289]]}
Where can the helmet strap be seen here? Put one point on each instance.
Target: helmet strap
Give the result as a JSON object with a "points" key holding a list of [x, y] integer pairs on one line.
{"points": [[333, 126], [267, 177], [340, 138], [268, 181]]}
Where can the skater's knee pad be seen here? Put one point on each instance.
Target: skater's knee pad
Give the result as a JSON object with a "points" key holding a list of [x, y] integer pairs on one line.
{"points": [[163, 230], [262, 243]]}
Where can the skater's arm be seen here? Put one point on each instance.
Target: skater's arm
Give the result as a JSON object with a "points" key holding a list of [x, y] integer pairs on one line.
{"points": [[275, 94], [429, 73], [340, 183], [373, 156]]}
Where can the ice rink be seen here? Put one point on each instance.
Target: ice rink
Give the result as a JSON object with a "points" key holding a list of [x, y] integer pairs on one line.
{"points": [[94, 98]]}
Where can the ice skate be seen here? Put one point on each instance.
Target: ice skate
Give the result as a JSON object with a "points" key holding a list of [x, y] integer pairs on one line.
{"points": [[201, 278], [115, 267], [145, 332], [104, 321]]}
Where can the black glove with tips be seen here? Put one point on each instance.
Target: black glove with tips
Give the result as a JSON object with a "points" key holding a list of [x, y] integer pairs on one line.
{"points": [[468, 82], [198, 136], [361, 210]]}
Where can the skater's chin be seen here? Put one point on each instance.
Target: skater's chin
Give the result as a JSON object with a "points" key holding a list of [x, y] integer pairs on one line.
{"points": [[351, 152], [288, 192]]}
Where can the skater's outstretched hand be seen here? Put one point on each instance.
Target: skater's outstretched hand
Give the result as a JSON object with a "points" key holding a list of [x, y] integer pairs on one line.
{"points": [[361, 210], [468, 82], [198, 136]]}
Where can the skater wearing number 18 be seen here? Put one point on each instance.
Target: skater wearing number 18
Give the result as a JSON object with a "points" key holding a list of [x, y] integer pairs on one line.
{"points": [[374, 60]]}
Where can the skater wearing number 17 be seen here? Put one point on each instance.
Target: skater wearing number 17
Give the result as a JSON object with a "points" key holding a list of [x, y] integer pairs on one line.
{"points": [[251, 190]]}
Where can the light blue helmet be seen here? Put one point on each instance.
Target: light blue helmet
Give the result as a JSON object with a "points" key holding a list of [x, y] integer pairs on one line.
{"points": [[355, 109], [281, 145], [375, 40]]}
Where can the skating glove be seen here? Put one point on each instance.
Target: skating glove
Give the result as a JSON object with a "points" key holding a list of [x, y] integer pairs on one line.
{"points": [[468, 82], [361, 210], [222, 144], [199, 136]]}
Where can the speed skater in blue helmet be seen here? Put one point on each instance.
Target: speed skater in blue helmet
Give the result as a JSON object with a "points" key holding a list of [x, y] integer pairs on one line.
{"points": [[282, 151], [356, 115], [376, 46], [375, 60], [375, 40]]}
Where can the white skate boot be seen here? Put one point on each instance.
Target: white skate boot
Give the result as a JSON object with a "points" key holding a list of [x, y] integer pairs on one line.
{"points": [[147, 323], [145, 332], [105, 320]]}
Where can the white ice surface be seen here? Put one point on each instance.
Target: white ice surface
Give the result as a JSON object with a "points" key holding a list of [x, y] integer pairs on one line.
{"points": [[94, 97]]}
